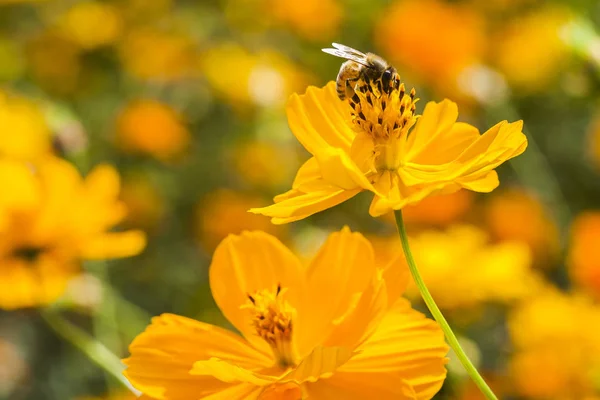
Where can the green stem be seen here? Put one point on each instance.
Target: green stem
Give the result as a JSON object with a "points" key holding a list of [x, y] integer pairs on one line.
{"points": [[93, 349], [437, 314]]}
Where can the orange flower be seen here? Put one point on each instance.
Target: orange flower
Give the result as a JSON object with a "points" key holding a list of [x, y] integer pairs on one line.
{"points": [[50, 220], [311, 19], [584, 252], [517, 215], [435, 40], [225, 211], [151, 127], [438, 210], [367, 146], [333, 329]]}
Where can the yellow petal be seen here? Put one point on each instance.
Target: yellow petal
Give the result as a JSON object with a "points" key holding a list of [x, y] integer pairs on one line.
{"points": [[342, 268], [447, 146], [437, 120], [244, 391], [321, 363], [21, 190], [486, 184], [251, 262], [339, 170], [162, 356], [103, 183], [362, 319], [361, 386], [397, 277], [317, 121], [296, 205], [229, 373], [407, 343], [114, 245]]}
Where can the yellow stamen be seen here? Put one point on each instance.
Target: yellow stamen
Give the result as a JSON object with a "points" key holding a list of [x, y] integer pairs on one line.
{"points": [[386, 118], [272, 320]]}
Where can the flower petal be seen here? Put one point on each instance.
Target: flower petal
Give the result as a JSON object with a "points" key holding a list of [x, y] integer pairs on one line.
{"points": [[162, 356], [321, 363], [338, 169], [317, 121], [361, 320], [296, 205], [248, 263], [340, 272], [437, 120], [361, 386], [114, 245], [229, 373], [408, 343], [245, 391]]}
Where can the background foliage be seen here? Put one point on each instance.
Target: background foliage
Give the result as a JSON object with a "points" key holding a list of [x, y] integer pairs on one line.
{"points": [[187, 100]]}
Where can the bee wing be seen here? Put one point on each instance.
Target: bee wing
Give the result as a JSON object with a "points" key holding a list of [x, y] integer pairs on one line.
{"points": [[348, 53]]}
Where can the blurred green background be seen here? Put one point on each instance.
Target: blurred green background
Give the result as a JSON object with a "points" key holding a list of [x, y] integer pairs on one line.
{"points": [[187, 100]]}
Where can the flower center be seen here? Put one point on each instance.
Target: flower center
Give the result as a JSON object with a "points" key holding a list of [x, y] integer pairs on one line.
{"points": [[386, 117], [272, 320], [29, 254]]}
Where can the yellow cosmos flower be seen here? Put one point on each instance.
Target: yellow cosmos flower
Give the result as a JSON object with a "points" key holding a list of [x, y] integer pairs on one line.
{"points": [[25, 133], [92, 24], [499, 272], [333, 329], [50, 220], [557, 355], [371, 147]]}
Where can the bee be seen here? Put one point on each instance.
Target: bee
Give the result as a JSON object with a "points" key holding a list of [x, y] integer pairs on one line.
{"points": [[362, 68]]}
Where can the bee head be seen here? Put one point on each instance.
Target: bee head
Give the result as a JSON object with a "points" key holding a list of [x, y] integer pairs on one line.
{"points": [[390, 78]]}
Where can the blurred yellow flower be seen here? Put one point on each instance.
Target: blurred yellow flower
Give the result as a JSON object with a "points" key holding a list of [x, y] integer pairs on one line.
{"points": [[50, 220], [462, 269], [303, 333], [225, 211], [529, 51], [151, 54], [272, 164], [368, 147], [557, 346], [25, 134], [584, 252], [311, 19], [435, 56], [151, 127], [92, 24], [517, 215], [265, 78]]}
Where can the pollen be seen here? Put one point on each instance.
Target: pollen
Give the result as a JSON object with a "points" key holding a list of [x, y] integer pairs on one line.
{"points": [[383, 114], [272, 318]]}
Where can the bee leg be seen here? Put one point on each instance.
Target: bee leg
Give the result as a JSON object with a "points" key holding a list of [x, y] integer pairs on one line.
{"points": [[350, 85]]}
